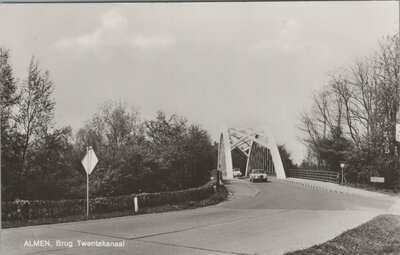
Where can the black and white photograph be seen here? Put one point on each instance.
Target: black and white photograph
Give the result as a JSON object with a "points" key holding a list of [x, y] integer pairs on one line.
{"points": [[166, 128]]}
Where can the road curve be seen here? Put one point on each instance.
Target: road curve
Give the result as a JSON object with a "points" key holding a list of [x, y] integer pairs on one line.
{"points": [[258, 218]]}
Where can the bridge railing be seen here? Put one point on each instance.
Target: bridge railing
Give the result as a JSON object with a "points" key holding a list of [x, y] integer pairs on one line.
{"points": [[315, 175]]}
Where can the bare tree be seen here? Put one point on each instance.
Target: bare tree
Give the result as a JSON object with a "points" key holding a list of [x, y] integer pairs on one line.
{"points": [[360, 104]]}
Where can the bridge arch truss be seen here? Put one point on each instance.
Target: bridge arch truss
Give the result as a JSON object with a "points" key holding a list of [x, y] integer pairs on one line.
{"points": [[257, 144]]}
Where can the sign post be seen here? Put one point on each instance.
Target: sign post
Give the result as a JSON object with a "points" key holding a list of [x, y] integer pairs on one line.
{"points": [[87, 196], [89, 161], [342, 165]]}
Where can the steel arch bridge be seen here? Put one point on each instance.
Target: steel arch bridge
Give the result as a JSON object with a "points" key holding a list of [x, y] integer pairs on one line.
{"points": [[257, 144]]}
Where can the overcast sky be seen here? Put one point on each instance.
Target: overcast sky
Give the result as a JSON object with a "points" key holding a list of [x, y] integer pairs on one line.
{"points": [[239, 64]]}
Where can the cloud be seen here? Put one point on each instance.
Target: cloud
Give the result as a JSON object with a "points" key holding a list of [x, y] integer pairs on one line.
{"points": [[292, 39], [149, 42], [84, 40], [113, 31], [112, 19], [287, 38]]}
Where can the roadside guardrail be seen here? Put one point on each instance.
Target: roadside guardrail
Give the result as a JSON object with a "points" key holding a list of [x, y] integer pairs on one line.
{"points": [[315, 175]]}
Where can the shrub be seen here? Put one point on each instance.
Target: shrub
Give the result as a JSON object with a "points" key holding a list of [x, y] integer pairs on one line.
{"points": [[36, 209], [159, 198]]}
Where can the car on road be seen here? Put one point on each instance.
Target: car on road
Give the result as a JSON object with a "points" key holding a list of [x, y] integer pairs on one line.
{"points": [[258, 175], [237, 172]]}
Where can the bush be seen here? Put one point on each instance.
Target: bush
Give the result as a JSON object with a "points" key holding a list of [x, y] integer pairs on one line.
{"points": [[159, 198], [36, 209]]}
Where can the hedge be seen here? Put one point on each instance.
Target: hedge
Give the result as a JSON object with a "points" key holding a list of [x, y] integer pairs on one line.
{"points": [[36, 209], [154, 199]]}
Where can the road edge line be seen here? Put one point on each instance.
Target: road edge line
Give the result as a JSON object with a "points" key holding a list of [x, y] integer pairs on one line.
{"points": [[256, 191]]}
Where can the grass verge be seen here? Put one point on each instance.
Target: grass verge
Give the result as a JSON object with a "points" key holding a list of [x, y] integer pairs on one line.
{"points": [[216, 198], [375, 188], [381, 235]]}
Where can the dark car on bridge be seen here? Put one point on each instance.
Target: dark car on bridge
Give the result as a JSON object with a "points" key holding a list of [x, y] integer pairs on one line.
{"points": [[258, 175]]}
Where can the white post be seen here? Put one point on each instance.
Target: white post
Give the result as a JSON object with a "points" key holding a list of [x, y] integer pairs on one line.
{"points": [[136, 204]]}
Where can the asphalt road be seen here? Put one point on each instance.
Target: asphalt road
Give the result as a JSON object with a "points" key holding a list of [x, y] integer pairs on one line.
{"points": [[259, 218]]}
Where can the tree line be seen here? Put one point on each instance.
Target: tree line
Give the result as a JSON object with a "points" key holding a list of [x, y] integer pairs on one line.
{"points": [[352, 119], [40, 160]]}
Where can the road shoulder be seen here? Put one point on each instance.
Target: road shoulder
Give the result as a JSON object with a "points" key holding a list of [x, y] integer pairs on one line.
{"points": [[239, 187]]}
